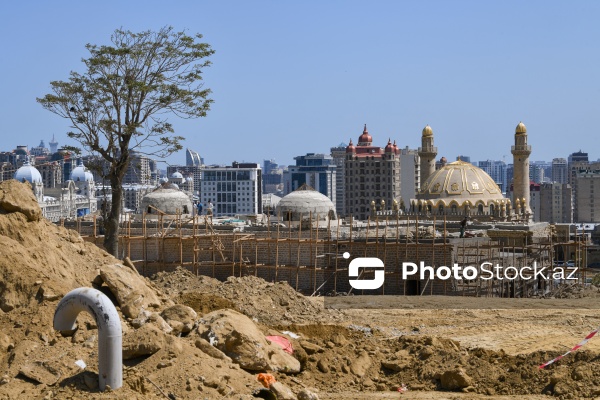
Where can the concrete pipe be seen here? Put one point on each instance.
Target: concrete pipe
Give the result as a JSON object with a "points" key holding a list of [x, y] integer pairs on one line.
{"points": [[110, 336]]}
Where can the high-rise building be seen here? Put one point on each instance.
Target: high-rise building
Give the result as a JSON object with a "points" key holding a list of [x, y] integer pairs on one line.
{"points": [[559, 170], [315, 170], [138, 171], [556, 203], [270, 166], [338, 154], [410, 174], [575, 160], [373, 175], [536, 173], [588, 194], [235, 189], [510, 172], [192, 158], [272, 177], [496, 169]]}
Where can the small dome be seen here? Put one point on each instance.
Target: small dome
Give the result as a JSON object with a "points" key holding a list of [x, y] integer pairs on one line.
{"points": [[365, 137], [176, 175], [304, 202], [389, 148], [28, 173], [427, 131], [81, 174], [167, 199], [350, 148], [189, 179], [163, 180], [521, 129], [443, 160]]}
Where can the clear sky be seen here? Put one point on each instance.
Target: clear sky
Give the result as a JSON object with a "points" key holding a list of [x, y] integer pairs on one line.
{"points": [[291, 77]]}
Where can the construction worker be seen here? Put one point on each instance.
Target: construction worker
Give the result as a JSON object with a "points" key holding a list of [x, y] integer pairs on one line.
{"points": [[209, 209], [463, 226]]}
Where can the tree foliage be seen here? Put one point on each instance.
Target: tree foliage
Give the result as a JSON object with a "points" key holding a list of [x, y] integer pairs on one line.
{"points": [[124, 98]]}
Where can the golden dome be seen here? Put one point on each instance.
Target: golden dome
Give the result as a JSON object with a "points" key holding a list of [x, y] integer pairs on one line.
{"points": [[521, 129], [427, 131], [460, 182]]}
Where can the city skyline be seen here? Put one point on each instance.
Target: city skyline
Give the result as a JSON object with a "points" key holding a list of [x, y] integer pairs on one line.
{"points": [[301, 78]]}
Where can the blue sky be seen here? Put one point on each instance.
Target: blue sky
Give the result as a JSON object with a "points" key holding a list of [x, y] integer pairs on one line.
{"points": [[295, 77]]}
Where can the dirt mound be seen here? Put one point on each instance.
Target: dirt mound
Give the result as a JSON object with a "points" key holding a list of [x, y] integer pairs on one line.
{"points": [[39, 264], [274, 304], [350, 361], [574, 291]]}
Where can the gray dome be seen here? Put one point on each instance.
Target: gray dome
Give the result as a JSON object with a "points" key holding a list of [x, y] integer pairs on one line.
{"points": [[28, 173], [176, 175], [168, 200], [304, 201]]}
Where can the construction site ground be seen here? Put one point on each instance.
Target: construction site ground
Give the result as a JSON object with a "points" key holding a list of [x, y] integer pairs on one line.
{"points": [[194, 337]]}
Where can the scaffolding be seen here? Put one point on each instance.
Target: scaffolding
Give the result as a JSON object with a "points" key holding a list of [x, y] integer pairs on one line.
{"points": [[311, 258]]}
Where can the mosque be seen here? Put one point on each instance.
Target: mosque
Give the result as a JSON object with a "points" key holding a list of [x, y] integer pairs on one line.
{"points": [[75, 198], [460, 189]]}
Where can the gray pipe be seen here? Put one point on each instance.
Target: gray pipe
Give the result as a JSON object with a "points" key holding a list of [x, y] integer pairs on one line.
{"points": [[110, 353]]}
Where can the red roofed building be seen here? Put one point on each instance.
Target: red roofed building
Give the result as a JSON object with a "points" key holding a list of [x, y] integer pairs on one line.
{"points": [[372, 177]]}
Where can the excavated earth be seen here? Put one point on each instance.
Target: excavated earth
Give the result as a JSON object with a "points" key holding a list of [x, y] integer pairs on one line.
{"points": [[194, 337]]}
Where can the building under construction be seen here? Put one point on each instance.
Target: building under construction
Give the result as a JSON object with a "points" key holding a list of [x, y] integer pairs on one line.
{"points": [[310, 256]]}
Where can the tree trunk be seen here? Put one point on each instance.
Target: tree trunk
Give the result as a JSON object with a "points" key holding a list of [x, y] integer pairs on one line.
{"points": [[111, 223]]}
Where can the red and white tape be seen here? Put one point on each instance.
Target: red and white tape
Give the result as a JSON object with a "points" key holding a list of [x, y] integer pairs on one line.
{"points": [[577, 347]]}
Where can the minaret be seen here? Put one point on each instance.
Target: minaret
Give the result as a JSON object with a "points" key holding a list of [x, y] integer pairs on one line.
{"points": [[427, 154], [521, 152]]}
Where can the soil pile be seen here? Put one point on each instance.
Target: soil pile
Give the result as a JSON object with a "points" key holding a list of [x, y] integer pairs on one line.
{"points": [[275, 304], [347, 360], [575, 291], [163, 353]]}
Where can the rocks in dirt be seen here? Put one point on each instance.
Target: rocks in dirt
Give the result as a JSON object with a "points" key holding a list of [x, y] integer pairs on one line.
{"points": [[142, 342], [306, 394], [455, 379], [323, 366], [5, 343], [395, 365], [179, 317], [360, 365], [16, 196], [210, 350], [38, 372], [581, 372], [310, 348], [282, 391], [238, 337], [130, 289], [48, 294]]}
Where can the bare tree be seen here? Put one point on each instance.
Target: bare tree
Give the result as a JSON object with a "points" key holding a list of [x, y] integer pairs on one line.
{"points": [[122, 101]]}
